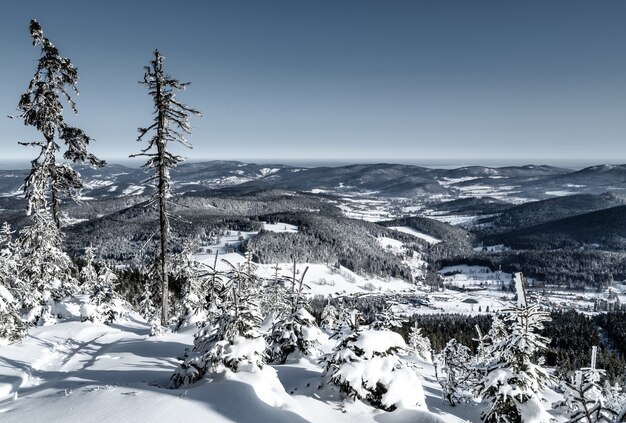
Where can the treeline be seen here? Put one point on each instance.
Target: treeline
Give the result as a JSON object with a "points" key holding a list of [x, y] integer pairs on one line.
{"points": [[570, 269], [571, 335]]}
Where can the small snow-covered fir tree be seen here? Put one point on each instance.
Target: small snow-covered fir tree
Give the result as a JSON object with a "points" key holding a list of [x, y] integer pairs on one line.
{"points": [[10, 258], [194, 275], [148, 310], [12, 327], [170, 124], [296, 333], [329, 317], [275, 302], [365, 366], [105, 305], [512, 382], [419, 344], [387, 319], [233, 340], [88, 273], [584, 400], [457, 374], [45, 270]]}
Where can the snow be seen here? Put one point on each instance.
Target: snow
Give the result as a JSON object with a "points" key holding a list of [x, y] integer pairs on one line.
{"points": [[560, 193], [280, 227], [375, 341], [87, 372], [133, 190], [411, 231]]}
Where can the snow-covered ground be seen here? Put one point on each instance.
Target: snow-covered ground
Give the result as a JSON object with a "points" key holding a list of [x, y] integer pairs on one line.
{"points": [[85, 372], [280, 227], [411, 231]]}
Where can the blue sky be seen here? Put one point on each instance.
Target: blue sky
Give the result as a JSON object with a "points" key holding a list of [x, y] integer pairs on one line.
{"points": [[345, 80]]}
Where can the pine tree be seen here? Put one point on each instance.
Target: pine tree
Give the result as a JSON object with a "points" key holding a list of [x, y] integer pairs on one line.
{"points": [[88, 273], [194, 275], [12, 327], [275, 303], [329, 317], [418, 343], [105, 305], [364, 364], [171, 124], [45, 270], [41, 106], [512, 381], [387, 319], [584, 399], [457, 379], [298, 331], [233, 340], [148, 310]]}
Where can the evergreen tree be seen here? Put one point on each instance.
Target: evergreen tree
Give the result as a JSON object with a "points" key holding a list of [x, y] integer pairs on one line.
{"points": [[45, 270], [194, 275], [12, 327], [105, 305], [275, 303], [233, 340], [418, 343], [329, 317], [41, 106], [457, 379], [584, 399], [88, 273], [171, 124], [364, 364], [148, 310], [387, 319], [512, 381], [298, 331]]}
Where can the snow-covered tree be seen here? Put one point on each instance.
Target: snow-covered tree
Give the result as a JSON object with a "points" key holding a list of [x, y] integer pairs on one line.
{"points": [[419, 344], [41, 106], [275, 302], [329, 317], [45, 270], [88, 273], [170, 124], [297, 332], [387, 319], [584, 400], [233, 340], [195, 276], [105, 305], [10, 258], [148, 310], [457, 373], [364, 364], [12, 327], [512, 382]]}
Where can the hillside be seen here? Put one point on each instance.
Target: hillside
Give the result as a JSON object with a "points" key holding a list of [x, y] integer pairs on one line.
{"points": [[538, 212], [604, 229]]}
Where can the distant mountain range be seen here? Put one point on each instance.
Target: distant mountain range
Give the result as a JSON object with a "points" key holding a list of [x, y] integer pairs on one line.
{"points": [[511, 184]]}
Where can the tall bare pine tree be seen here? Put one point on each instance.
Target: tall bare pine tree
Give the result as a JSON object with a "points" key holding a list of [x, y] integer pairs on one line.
{"points": [[171, 124]]}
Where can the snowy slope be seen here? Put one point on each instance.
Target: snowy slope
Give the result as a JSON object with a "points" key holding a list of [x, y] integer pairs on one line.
{"points": [[86, 372]]}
